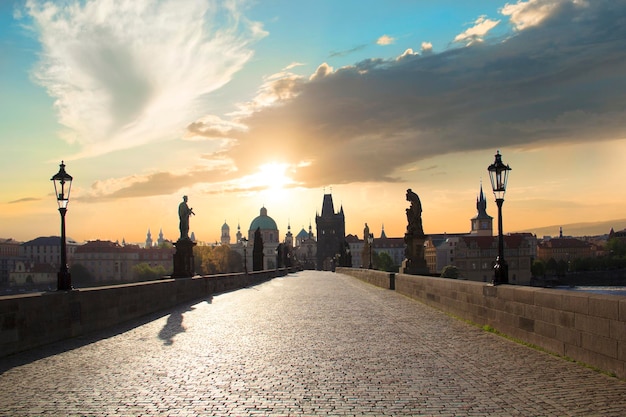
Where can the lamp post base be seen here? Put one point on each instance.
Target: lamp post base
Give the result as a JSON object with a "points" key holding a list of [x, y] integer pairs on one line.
{"points": [[64, 281], [500, 272]]}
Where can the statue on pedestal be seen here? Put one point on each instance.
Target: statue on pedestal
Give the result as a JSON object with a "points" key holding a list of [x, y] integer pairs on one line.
{"points": [[183, 258], [414, 262]]}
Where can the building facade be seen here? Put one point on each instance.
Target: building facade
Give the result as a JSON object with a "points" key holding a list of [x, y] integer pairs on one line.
{"points": [[270, 236], [305, 251], [47, 250], [9, 256], [110, 262], [225, 238], [565, 249], [475, 257]]}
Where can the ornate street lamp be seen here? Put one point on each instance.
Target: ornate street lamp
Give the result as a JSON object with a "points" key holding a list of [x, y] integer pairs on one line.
{"points": [[62, 186], [244, 242], [370, 240], [499, 175]]}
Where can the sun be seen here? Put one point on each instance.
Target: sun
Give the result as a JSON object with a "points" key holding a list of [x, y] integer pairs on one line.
{"points": [[272, 176]]}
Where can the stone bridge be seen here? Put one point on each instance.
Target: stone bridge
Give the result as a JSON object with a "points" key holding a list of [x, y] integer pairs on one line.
{"points": [[309, 343]]}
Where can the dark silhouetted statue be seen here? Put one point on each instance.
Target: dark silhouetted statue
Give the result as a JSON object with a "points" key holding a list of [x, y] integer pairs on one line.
{"points": [[183, 213], [183, 258], [414, 214], [257, 251], [414, 262]]}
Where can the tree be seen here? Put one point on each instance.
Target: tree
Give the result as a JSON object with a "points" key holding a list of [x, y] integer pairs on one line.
{"points": [[385, 263], [81, 277], [257, 251], [551, 266], [145, 272], [450, 271], [561, 268], [538, 268], [616, 247], [211, 260]]}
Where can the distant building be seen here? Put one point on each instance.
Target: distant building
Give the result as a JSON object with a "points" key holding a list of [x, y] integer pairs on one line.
{"points": [[474, 253], [289, 237], [9, 255], [37, 276], [565, 249], [475, 256], [149, 239], [270, 236], [331, 234], [621, 235], [109, 262], [225, 239], [356, 246], [482, 223], [392, 246], [439, 251], [47, 250], [305, 252]]}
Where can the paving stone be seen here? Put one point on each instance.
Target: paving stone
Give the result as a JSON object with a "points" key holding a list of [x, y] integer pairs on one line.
{"points": [[312, 343]]}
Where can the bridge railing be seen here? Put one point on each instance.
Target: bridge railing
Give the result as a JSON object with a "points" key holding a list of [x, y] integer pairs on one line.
{"points": [[589, 328], [31, 320]]}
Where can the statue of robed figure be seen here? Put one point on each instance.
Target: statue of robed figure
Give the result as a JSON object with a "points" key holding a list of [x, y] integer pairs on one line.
{"points": [[184, 212], [183, 258], [414, 262]]}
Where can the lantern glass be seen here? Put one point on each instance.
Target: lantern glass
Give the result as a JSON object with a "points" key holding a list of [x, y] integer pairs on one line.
{"points": [[499, 175], [62, 186]]}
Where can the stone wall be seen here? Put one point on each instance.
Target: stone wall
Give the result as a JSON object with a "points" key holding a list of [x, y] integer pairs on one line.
{"points": [[31, 320], [371, 276], [586, 327]]}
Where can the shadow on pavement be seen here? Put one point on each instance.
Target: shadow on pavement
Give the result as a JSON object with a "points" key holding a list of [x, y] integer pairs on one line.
{"points": [[172, 327]]}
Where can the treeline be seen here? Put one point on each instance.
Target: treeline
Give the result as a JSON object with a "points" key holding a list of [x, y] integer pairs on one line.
{"points": [[615, 258], [210, 260]]}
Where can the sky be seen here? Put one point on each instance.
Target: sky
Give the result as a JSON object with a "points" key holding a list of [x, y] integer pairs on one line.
{"points": [[248, 104]]}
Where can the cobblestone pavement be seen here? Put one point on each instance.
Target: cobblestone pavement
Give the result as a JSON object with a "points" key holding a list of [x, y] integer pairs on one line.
{"points": [[312, 343]]}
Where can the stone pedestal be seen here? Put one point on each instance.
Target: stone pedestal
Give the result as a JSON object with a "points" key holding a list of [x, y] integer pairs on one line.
{"points": [[415, 262], [183, 259]]}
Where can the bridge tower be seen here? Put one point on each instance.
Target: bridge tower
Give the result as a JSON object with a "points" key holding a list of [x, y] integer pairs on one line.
{"points": [[331, 234]]}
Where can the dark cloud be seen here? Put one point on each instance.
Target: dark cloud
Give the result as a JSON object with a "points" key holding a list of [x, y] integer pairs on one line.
{"points": [[562, 80], [24, 200], [335, 54], [159, 183]]}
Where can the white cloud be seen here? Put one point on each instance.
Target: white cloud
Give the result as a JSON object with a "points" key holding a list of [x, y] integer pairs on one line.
{"points": [[476, 33], [525, 14], [427, 47], [385, 40], [129, 72]]}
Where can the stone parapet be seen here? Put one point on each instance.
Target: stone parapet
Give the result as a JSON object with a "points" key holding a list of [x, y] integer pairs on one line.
{"points": [[587, 327], [31, 320]]}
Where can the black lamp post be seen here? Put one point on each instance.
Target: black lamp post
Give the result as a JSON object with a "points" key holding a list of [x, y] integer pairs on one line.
{"points": [[499, 175], [62, 185], [370, 240], [244, 242]]}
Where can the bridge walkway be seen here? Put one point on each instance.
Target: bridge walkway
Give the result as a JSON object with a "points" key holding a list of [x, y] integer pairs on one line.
{"points": [[311, 343]]}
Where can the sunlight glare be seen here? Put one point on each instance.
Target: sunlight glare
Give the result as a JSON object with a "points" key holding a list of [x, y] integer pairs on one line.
{"points": [[272, 176]]}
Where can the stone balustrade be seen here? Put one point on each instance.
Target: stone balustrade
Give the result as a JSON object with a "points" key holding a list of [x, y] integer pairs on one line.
{"points": [[589, 328], [35, 319]]}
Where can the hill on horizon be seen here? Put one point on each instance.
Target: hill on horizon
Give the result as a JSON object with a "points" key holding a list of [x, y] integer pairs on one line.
{"points": [[578, 229]]}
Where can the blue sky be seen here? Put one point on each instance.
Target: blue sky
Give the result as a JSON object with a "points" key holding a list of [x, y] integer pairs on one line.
{"points": [[246, 104]]}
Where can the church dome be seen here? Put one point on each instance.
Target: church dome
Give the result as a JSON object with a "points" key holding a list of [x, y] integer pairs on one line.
{"points": [[263, 222], [225, 226]]}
